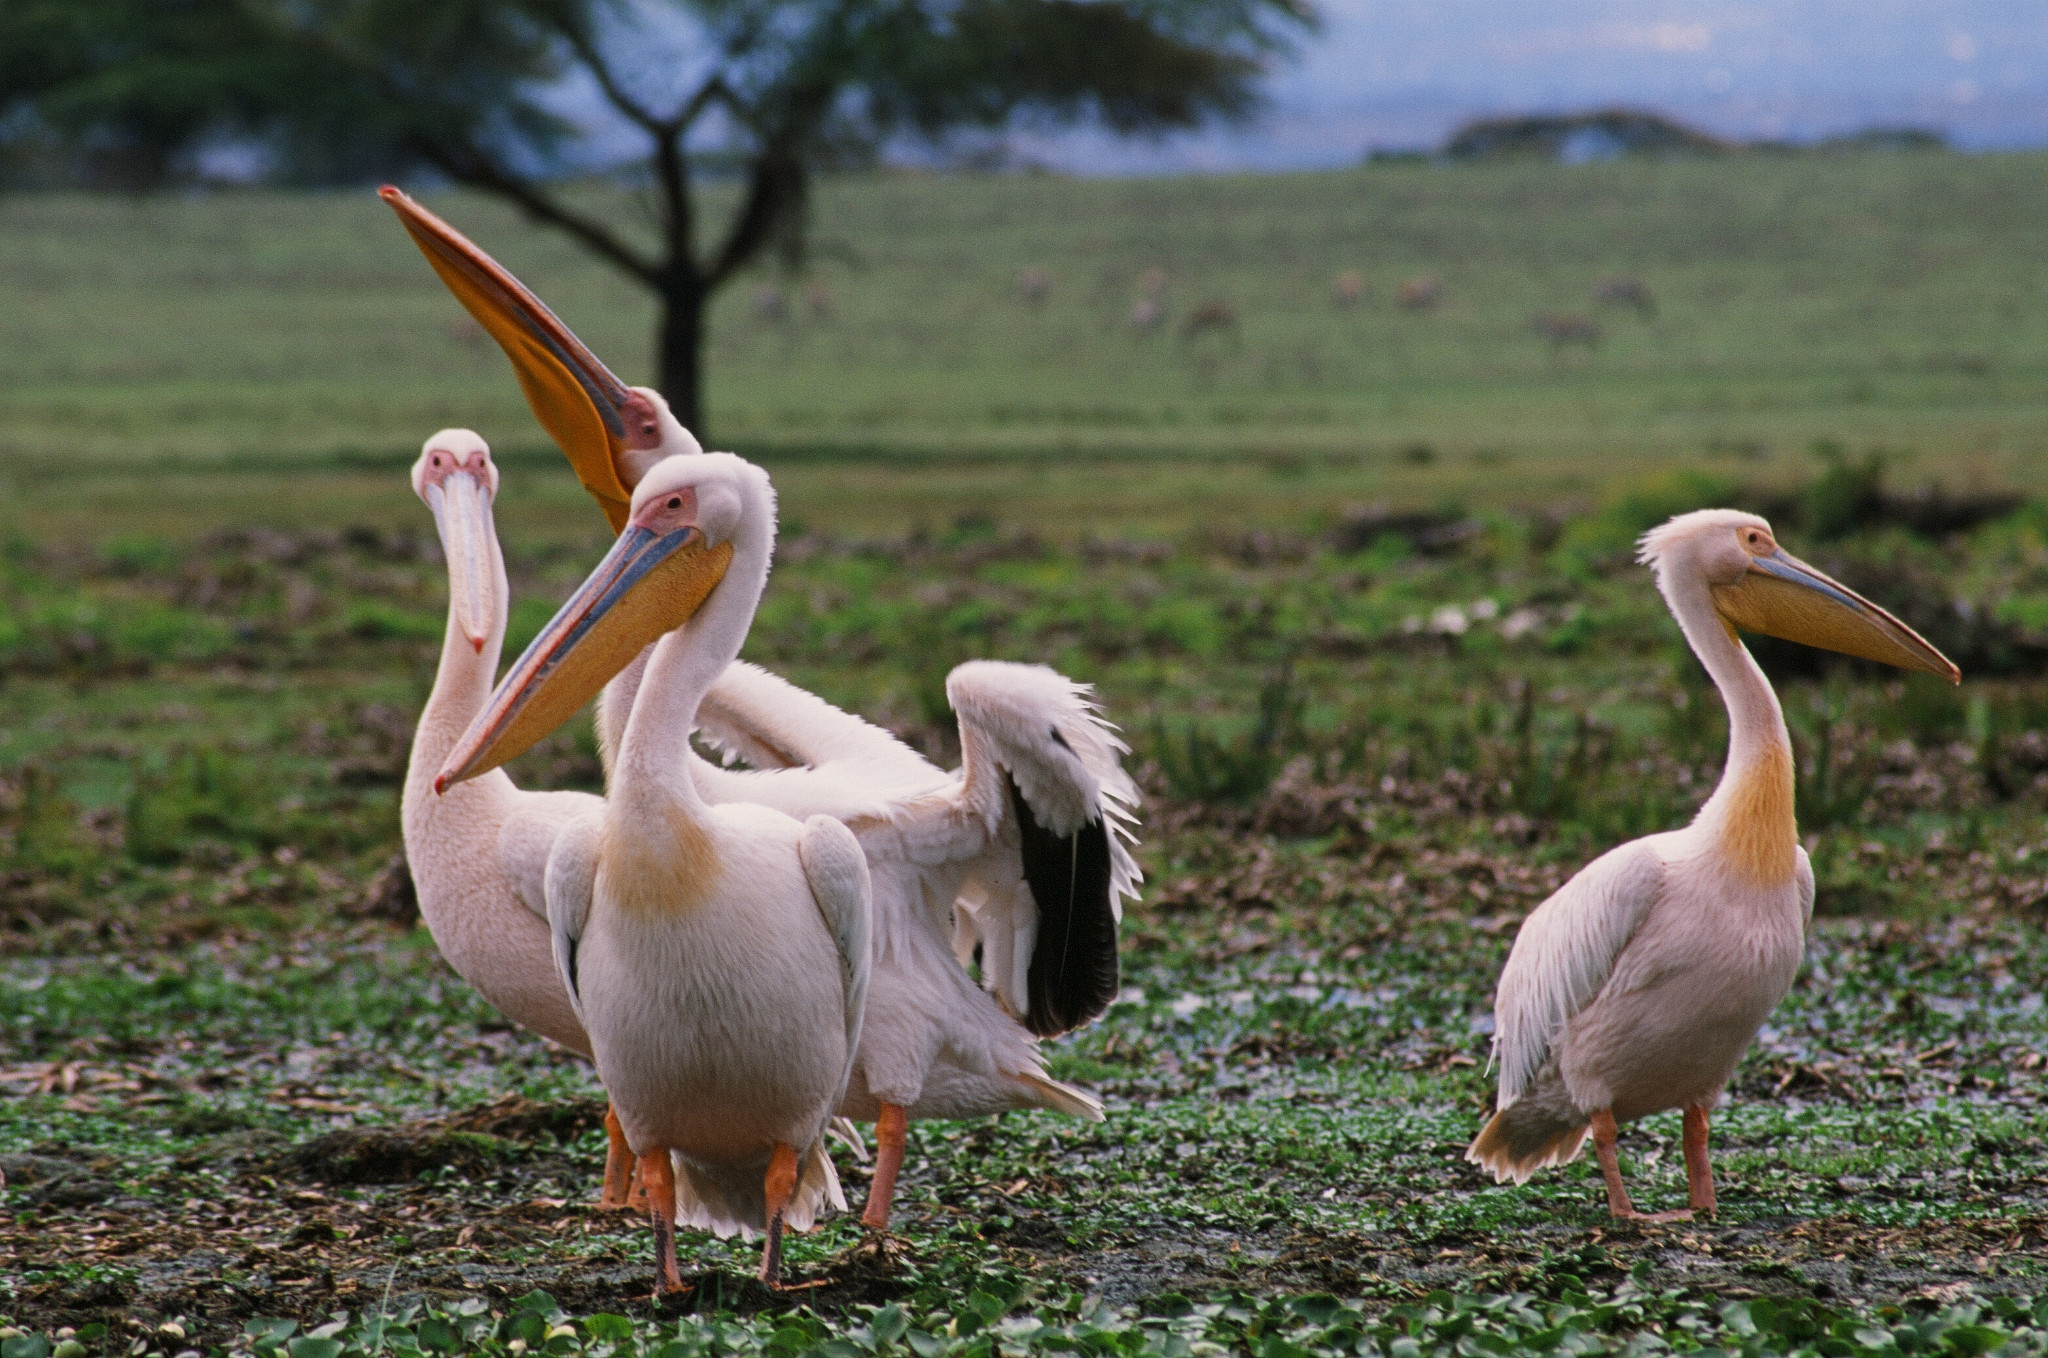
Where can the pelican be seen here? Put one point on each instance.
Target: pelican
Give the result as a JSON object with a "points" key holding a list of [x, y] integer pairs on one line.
{"points": [[716, 955], [1021, 856], [1639, 985], [479, 854]]}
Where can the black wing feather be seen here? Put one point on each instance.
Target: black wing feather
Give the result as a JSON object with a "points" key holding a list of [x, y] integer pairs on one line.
{"points": [[1073, 974]]}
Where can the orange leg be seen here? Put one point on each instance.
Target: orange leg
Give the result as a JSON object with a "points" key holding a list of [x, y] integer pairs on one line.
{"points": [[1618, 1205], [659, 1176], [890, 1128], [1699, 1168], [618, 1164], [779, 1185]]}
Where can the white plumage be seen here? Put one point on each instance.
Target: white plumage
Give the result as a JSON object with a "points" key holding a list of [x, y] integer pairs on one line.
{"points": [[1639, 985], [947, 854], [718, 956]]}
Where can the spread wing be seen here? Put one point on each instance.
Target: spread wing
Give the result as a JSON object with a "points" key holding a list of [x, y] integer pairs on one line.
{"points": [[1043, 810], [1564, 955], [838, 874], [571, 878], [764, 719], [1035, 828]]}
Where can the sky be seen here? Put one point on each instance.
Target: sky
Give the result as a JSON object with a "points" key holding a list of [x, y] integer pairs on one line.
{"points": [[1400, 74]]}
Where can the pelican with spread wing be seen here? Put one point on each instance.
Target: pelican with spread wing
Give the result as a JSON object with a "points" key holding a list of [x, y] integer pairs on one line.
{"points": [[1022, 857], [1640, 984]]}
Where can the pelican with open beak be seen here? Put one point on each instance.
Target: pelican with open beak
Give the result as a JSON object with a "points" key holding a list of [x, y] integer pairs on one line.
{"points": [[1639, 985], [717, 955], [612, 432], [1028, 842]]}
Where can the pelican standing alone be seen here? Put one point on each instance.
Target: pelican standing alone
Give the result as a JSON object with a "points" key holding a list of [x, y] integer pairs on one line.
{"points": [[717, 955], [1022, 855], [1639, 985]]}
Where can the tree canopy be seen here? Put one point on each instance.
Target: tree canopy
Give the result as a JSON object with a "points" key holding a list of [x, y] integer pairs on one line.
{"points": [[136, 93]]}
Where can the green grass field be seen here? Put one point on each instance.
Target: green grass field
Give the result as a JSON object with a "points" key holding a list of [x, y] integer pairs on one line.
{"points": [[1370, 740], [1887, 300]]}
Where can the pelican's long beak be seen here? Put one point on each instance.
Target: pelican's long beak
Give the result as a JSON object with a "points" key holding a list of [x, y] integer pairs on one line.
{"points": [[646, 586], [575, 397], [462, 514], [1782, 596]]}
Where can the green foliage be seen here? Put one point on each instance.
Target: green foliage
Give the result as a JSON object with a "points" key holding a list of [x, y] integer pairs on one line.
{"points": [[1608, 537], [1623, 1320], [1199, 763], [1847, 494], [40, 835], [196, 798]]}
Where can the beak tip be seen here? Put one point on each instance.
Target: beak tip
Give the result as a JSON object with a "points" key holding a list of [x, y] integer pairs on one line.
{"points": [[440, 783], [476, 643]]}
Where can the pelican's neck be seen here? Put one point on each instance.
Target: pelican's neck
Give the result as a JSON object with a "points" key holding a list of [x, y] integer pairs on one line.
{"points": [[1750, 814], [462, 686], [615, 705], [653, 754]]}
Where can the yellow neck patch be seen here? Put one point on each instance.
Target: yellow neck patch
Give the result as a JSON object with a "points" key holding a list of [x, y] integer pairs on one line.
{"points": [[1759, 830], [667, 868]]}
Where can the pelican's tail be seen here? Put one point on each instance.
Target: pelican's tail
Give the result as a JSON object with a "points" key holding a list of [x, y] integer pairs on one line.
{"points": [[1047, 1092], [730, 1199], [1528, 1135]]}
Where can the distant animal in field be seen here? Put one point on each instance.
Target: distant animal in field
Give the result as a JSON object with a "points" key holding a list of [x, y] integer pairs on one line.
{"points": [[1628, 292], [1421, 293], [1152, 282], [1147, 314], [1348, 290], [770, 305], [1034, 285], [818, 298], [1214, 314], [1563, 331]]}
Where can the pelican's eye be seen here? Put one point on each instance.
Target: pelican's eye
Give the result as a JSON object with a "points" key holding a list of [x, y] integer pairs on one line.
{"points": [[675, 502]]}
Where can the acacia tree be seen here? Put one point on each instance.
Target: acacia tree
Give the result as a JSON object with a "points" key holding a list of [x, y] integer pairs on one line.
{"points": [[775, 89]]}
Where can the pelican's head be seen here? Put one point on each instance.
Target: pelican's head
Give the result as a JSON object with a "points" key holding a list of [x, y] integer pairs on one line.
{"points": [[457, 479], [686, 517], [1757, 586], [612, 433]]}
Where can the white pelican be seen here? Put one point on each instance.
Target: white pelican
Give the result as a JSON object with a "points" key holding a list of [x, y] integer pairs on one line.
{"points": [[479, 854], [1020, 857], [717, 955], [1022, 854], [1640, 984]]}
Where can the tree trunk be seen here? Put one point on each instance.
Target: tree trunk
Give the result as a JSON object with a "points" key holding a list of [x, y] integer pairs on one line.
{"points": [[679, 356]]}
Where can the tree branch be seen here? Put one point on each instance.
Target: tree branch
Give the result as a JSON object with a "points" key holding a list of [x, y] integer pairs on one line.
{"points": [[714, 91], [586, 52], [469, 164], [464, 161], [773, 188]]}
